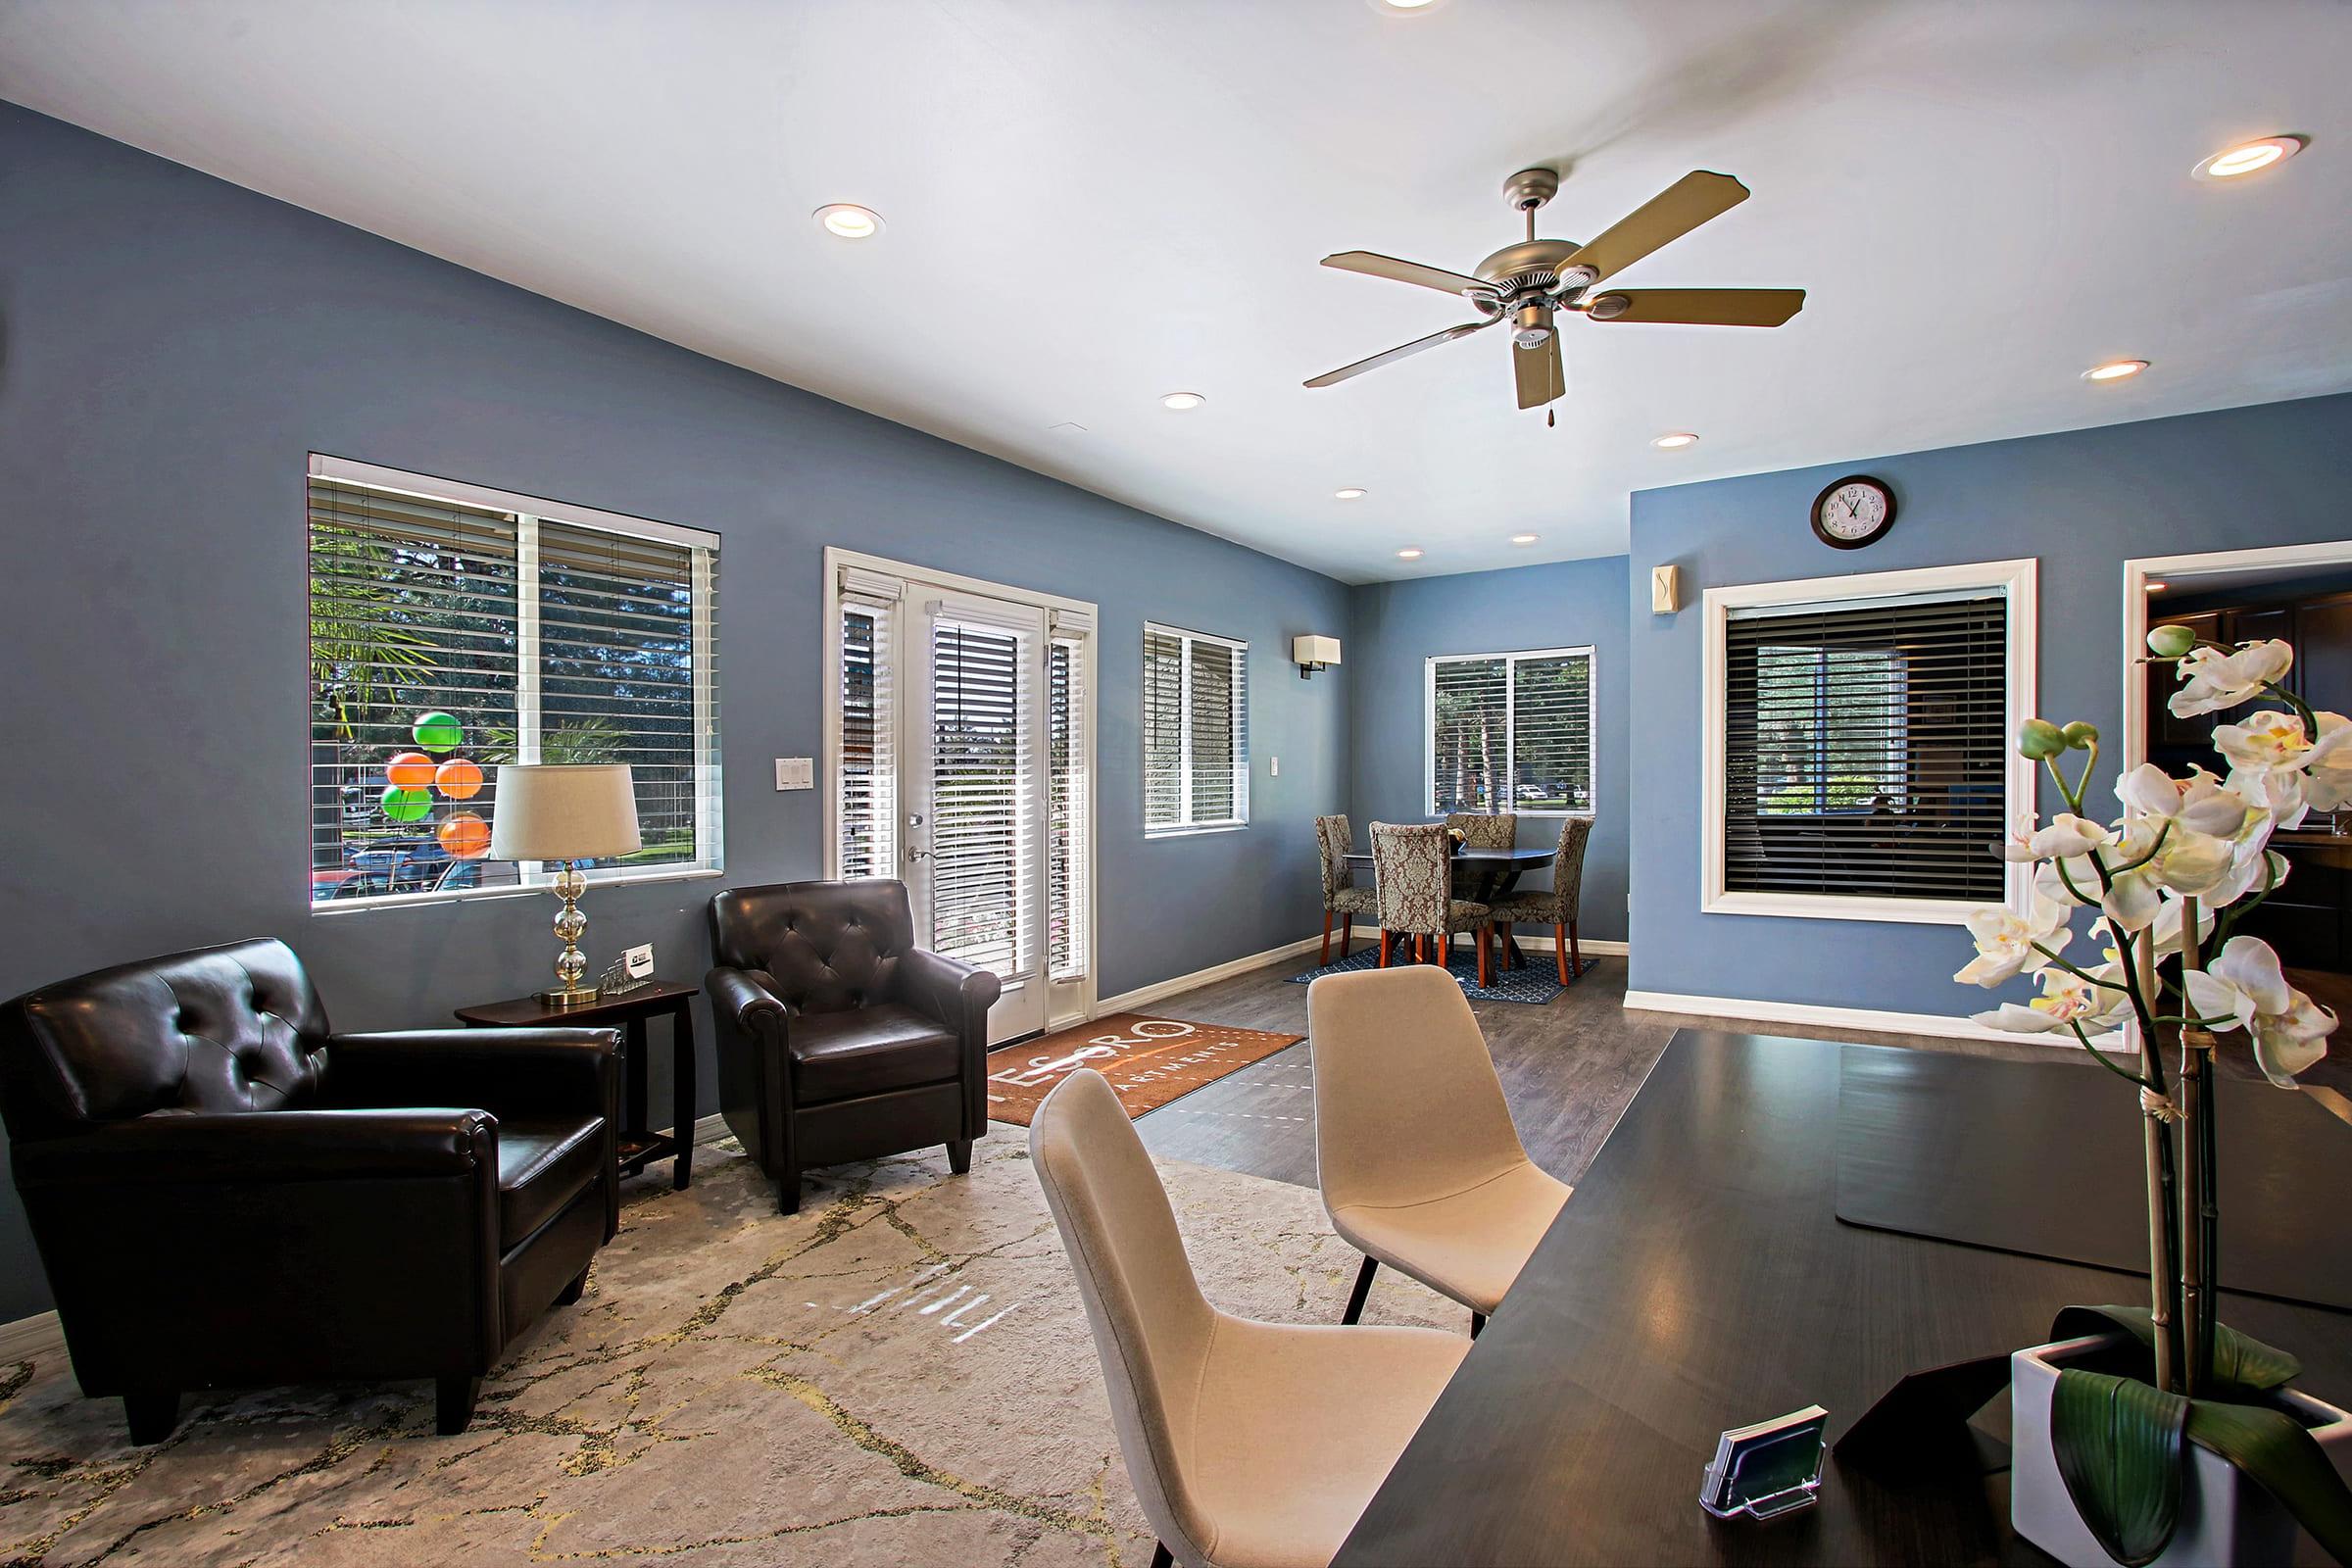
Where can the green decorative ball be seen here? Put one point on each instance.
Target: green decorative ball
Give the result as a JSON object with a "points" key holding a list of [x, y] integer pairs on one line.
{"points": [[438, 732], [406, 806], [2039, 738]]}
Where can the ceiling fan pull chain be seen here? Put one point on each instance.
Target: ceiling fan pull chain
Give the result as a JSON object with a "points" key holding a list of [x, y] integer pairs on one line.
{"points": [[1550, 418]]}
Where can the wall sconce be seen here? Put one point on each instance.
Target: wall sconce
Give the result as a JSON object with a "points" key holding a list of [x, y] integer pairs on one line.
{"points": [[1665, 590], [1312, 653]]}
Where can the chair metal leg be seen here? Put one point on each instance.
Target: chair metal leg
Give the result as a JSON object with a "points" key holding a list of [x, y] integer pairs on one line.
{"points": [[1559, 950], [1326, 958], [1478, 1324], [1363, 1288], [1161, 1557]]}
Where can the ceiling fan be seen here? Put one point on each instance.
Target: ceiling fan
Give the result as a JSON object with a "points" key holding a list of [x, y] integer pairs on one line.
{"points": [[1526, 284]]}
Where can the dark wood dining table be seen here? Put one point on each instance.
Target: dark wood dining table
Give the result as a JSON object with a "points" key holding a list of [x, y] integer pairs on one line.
{"points": [[1493, 873], [1699, 1279]]}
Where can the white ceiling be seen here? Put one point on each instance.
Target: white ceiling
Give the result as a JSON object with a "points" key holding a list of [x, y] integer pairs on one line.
{"points": [[1094, 202]]}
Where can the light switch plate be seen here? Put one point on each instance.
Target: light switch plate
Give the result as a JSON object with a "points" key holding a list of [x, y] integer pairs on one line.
{"points": [[1274, 764], [795, 774], [640, 962]]}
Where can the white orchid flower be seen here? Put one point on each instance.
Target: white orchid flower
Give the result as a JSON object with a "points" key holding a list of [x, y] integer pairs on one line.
{"points": [[2152, 855], [2018, 847], [2213, 680], [2275, 765], [2165, 929], [2327, 785], [2245, 989], [2253, 868], [2094, 1003], [2006, 942], [2068, 836], [2198, 804]]}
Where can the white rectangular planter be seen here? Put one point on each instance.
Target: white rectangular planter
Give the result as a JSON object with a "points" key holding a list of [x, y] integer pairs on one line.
{"points": [[2226, 1519]]}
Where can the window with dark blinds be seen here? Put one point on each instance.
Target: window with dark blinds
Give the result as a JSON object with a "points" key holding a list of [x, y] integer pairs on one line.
{"points": [[1196, 731], [1511, 732], [1865, 748], [448, 636]]}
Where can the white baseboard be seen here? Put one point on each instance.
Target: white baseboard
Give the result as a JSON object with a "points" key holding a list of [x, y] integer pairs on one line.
{"points": [[1942, 1025], [31, 1339], [1144, 995]]}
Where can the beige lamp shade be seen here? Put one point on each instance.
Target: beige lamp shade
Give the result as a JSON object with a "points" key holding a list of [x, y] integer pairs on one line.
{"points": [[551, 811]]}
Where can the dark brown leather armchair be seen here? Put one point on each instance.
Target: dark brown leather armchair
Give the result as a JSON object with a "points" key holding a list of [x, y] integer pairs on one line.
{"points": [[839, 1039], [224, 1194]]}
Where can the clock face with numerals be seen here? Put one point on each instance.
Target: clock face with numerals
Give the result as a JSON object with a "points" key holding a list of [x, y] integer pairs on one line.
{"points": [[1853, 512]]}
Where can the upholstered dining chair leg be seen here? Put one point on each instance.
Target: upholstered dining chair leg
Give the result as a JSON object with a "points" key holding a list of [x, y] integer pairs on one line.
{"points": [[1478, 1324], [1483, 933], [1559, 950], [571, 1294], [1504, 945], [1346, 935], [1384, 947], [1326, 958], [1576, 956], [1161, 1557], [453, 1403], [1363, 1288], [153, 1415]]}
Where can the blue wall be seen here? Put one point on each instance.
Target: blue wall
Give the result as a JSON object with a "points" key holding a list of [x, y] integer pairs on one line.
{"points": [[1396, 626], [2082, 501], [174, 345]]}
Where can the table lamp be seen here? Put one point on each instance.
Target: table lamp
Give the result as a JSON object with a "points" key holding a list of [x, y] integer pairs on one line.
{"points": [[565, 814]]}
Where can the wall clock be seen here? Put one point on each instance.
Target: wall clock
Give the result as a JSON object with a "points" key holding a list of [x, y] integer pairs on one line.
{"points": [[1853, 512]]}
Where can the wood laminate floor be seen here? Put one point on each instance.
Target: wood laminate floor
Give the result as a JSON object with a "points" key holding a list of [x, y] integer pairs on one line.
{"points": [[1569, 1068]]}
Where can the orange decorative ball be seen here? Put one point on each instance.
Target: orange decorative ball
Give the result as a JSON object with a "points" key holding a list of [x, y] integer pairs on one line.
{"points": [[410, 771], [458, 779], [466, 836]]}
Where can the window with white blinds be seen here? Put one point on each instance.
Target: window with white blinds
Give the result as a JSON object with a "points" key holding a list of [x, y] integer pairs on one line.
{"points": [[984, 794], [1510, 732], [867, 769], [1066, 804], [455, 628], [1196, 731], [1865, 748]]}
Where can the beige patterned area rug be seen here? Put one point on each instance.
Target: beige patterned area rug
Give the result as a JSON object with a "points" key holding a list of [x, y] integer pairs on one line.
{"points": [[900, 1373], [1149, 1062]]}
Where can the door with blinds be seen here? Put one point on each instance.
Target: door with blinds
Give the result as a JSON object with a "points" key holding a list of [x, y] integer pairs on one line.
{"points": [[962, 766]]}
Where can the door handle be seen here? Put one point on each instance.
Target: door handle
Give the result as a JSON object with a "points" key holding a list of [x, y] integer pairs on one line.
{"points": [[914, 854]]}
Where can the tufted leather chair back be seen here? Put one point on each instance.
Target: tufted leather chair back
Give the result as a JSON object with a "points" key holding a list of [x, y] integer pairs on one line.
{"points": [[819, 947], [231, 1028]]}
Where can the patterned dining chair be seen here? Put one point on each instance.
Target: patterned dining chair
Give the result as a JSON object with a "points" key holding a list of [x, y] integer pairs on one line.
{"points": [[1341, 896], [1554, 905], [1412, 870], [1480, 830]]}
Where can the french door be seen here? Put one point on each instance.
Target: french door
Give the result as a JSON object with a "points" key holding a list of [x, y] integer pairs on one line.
{"points": [[960, 766]]}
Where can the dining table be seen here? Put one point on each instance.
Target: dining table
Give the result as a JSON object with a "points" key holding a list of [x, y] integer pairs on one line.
{"points": [[1492, 873]]}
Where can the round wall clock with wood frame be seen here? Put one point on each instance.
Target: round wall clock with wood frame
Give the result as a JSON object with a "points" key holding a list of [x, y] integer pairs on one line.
{"points": [[1853, 512]]}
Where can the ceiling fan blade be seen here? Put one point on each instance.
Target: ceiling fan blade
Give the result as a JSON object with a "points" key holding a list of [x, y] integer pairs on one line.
{"points": [[1541, 377], [1665, 217], [1401, 350], [1377, 266], [1697, 307]]}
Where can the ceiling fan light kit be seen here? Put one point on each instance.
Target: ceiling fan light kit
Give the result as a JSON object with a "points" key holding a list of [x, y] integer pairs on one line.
{"points": [[1527, 282]]}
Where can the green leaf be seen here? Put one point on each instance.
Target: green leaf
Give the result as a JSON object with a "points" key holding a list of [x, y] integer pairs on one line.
{"points": [[2242, 1365], [2118, 1443], [2279, 1452]]}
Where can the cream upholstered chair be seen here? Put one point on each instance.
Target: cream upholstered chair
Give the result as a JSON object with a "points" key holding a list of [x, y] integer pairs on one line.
{"points": [[1554, 905], [1341, 896], [1250, 1445], [1420, 1166], [1413, 882]]}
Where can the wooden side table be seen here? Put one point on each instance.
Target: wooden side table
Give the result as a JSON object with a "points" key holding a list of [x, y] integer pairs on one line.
{"points": [[629, 1011]]}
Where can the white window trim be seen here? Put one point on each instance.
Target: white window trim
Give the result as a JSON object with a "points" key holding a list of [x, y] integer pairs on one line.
{"points": [[532, 877], [1185, 827], [1072, 618], [2017, 580], [1510, 710]]}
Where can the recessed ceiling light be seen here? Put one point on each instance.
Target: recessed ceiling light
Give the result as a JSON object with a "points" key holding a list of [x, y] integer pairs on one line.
{"points": [[849, 221], [1181, 401], [1523, 538], [2115, 370], [1673, 439], [1405, 6], [1408, 552], [1353, 492], [2249, 156], [2158, 587]]}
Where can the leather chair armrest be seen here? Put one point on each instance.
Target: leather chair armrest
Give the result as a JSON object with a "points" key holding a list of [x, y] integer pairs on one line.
{"points": [[264, 1145], [955, 995], [508, 1072], [739, 999]]}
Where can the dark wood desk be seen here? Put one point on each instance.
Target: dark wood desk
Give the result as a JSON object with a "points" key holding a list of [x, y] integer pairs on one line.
{"points": [[1698, 1280], [640, 1147]]}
